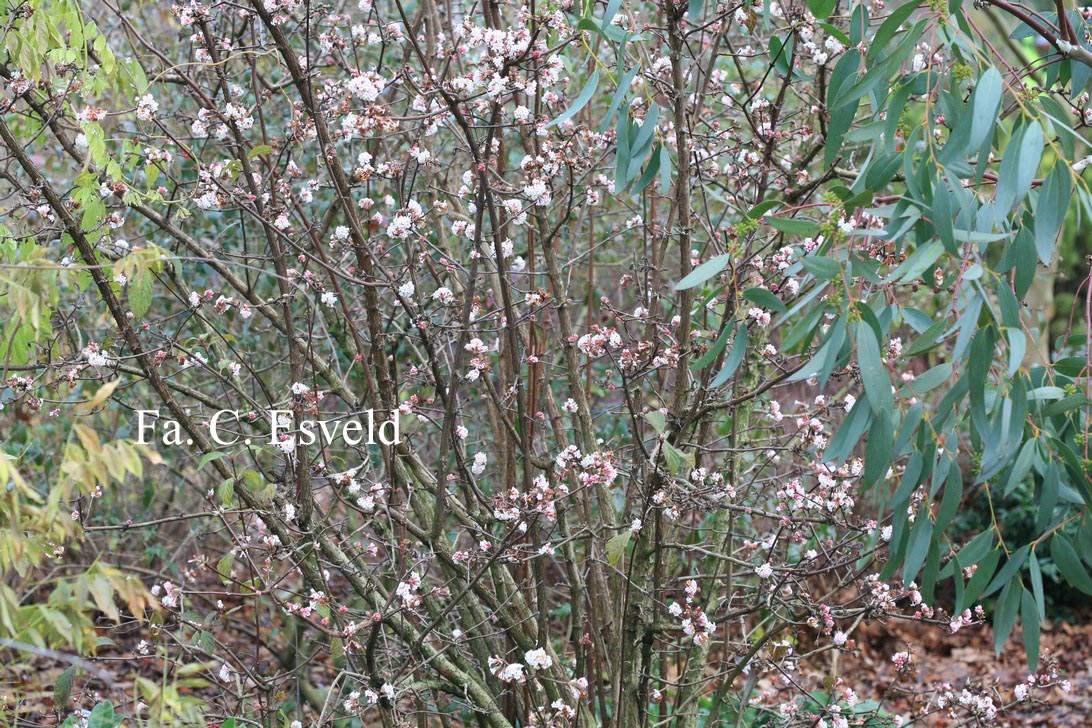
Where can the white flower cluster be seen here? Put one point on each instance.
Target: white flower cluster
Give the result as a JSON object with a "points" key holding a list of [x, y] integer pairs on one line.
{"points": [[96, 357], [146, 107]]}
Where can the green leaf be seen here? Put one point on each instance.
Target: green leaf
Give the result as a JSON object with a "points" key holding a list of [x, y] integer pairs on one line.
{"points": [[889, 28], [828, 354], [972, 552], [878, 448], [735, 357], [657, 420], [665, 170], [849, 434], [953, 495], [1005, 617], [703, 272], [1015, 562], [1051, 209], [781, 54], [581, 100], [208, 458], [225, 492], [611, 10], [1019, 165], [1069, 564], [824, 268], [140, 293], [874, 376], [620, 94], [756, 212], [224, 567], [842, 77], [920, 538], [1037, 585], [981, 576], [841, 119], [984, 102], [1029, 622], [918, 262], [62, 688], [102, 716], [676, 458], [259, 151], [654, 162], [765, 299], [821, 9], [616, 546], [929, 339], [793, 227], [714, 350]]}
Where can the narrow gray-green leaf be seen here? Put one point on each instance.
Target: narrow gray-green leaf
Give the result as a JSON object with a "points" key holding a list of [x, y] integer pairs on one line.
{"points": [[735, 357], [581, 101], [985, 100], [1051, 210], [1069, 563], [877, 382], [823, 268], [1004, 618], [1029, 623], [703, 272], [765, 299]]}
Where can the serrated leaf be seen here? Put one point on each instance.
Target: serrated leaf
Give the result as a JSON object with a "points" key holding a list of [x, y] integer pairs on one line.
{"points": [[657, 420], [102, 716], [259, 151], [103, 594], [225, 566], [62, 688], [140, 293], [225, 492], [208, 458], [99, 398], [676, 458], [616, 546]]}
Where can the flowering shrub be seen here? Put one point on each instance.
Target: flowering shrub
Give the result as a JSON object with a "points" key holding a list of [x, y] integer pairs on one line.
{"points": [[534, 363]]}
